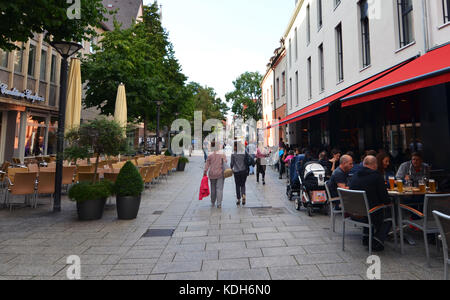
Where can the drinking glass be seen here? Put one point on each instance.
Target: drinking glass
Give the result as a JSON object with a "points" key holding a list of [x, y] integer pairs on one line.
{"points": [[432, 184], [392, 182], [400, 186], [422, 186]]}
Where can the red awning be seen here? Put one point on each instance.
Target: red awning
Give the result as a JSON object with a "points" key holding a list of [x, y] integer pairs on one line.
{"points": [[322, 106], [428, 70]]}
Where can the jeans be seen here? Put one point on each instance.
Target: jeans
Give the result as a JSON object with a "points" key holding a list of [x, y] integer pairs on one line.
{"points": [[240, 180], [260, 169], [217, 191], [381, 228]]}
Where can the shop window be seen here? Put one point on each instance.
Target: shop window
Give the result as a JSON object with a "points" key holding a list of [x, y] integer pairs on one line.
{"points": [[35, 136], [52, 136], [4, 56]]}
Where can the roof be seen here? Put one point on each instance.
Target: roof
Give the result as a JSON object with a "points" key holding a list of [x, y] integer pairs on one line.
{"points": [[128, 10]]}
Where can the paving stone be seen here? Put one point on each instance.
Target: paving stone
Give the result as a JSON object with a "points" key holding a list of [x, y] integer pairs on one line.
{"points": [[107, 250], [238, 238], [267, 262], [34, 270], [130, 277], [265, 244], [241, 253], [143, 253], [274, 236], [261, 230], [177, 267], [196, 255], [305, 241], [225, 245], [295, 273], [280, 251], [343, 269], [253, 274], [226, 264], [321, 258], [206, 275]]}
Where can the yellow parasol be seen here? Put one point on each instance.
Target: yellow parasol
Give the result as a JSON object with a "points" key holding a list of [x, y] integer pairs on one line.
{"points": [[73, 108], [120, 114]]}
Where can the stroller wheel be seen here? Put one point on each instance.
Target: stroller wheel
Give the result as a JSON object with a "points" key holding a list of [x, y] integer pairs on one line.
{"points": [[310, 210], [298, 204]]}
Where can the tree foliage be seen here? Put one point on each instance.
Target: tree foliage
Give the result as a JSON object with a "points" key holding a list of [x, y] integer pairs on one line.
{"points": [[246, 97], [205, 99], [142, 58], [21, 18]]}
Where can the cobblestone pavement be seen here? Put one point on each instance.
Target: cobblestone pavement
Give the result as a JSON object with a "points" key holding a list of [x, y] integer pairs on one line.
{"points": [[232, 243]]}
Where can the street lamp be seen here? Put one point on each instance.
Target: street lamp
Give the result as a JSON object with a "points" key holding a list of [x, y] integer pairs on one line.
{"points": [[66, 49]]}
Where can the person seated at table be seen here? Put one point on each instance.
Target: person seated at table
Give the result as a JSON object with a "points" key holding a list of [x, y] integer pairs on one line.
{"points": [[384, 162], [335, 158], [414, 170], [368, 179], [360, 166], [339, 178], [323, 160]]}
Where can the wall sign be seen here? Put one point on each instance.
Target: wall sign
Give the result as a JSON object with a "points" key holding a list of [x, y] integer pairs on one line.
{"points": [[27, 94]]}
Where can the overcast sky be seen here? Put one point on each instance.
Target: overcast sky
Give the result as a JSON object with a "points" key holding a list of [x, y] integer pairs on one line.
{"points": [[217, 40]]}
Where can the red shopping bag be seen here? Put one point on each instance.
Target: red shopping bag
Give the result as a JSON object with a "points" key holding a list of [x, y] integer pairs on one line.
{"points": [[204, 188]]}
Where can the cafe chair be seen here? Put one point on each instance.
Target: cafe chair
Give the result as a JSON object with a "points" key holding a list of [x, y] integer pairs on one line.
{"points": [[426, 222], [88, 177], [356, 204], [333, 212], [111, 177], [45, 185], [68, 176], [24, 184], [443, 222]]}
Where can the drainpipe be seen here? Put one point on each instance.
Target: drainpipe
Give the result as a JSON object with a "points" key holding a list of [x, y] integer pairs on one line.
{"points": [[425, 25]]}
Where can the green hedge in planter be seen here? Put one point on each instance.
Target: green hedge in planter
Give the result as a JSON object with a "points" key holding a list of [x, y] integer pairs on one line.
{"points": [[183, 160], [86, 191], [129, 182]]}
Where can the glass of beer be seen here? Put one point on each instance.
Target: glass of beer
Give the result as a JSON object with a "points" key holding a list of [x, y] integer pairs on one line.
{"points": [[392, 182], [400, 186], [432, 184], [422, 186]]}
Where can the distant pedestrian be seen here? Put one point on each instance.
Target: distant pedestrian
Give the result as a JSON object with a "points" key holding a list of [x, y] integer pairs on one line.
{"points": [[261, 164], [214, 164], [240, 166]]}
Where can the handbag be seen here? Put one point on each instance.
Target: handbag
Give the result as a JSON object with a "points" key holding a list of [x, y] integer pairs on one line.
{"points": [[227, 172]]}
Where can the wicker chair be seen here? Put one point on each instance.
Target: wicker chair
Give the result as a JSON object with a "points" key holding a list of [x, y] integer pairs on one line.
{"points": [[45, 185], [24, 184]]}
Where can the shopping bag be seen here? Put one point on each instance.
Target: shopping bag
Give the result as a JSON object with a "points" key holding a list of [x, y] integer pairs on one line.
{"points": [[204, 188]]}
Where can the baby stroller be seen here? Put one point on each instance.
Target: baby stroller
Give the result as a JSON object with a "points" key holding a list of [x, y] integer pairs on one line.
{"points": [[312, 189], [293, 186]]}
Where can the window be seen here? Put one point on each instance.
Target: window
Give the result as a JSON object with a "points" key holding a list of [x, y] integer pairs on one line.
{"points": [[296, 88], [365, 34], [31, 60], [321, 69], [309, 79], [277, 89], [290, 53], [4, 56], [308, 24], [53, 69], [35, 135], [339, 53], [283, 89], [446, 10], [405, 22], [43, 64], [290, 92], [18, 61], [296, 44], [319, 14]]}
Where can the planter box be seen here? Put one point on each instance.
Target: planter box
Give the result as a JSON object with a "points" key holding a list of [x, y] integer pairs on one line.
{"points": [[91, 210], [181, 166], [128, 207]]}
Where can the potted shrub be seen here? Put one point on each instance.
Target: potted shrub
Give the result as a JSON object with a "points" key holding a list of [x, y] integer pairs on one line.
{"points": [[182, 164], [128, 188], [102, 137]]}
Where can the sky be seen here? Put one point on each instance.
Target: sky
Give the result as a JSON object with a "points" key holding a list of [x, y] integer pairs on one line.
{"points": [[217, 40]]}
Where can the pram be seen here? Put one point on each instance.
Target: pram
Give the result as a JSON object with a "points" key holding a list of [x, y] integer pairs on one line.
{"points": [[312, 189], [293, 185]]}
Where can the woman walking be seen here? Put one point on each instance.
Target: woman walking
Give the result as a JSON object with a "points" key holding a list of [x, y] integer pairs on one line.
{"points": [[214, 164], [240, 166], [261, 165]]}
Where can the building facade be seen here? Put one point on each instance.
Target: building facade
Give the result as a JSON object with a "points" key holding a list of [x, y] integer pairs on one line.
{"points": [[336, 48], [267, 106], [29, 91]]}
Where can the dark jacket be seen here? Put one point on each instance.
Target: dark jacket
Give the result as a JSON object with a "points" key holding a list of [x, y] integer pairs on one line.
{"points": [[373, 183]]}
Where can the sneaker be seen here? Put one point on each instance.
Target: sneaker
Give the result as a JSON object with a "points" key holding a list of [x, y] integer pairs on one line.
{"points": [[238, 202], [219, 206], [264, 183], [244, 198]]}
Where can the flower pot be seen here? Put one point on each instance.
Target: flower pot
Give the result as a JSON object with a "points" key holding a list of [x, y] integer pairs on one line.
{"points": [[181, 166], [91, 210], [128, 207]]}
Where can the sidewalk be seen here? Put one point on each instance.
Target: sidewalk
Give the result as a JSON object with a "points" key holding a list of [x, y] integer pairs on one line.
{"points": [[266, 239]]}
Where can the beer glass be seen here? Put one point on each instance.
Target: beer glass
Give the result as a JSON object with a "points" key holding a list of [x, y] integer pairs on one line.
{"points": [[400, 186], [392, 182], [422, 186], [432, 184]]}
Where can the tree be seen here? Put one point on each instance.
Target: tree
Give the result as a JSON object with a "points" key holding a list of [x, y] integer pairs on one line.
{"points": [[205, 99], [246, 98], [143, 59], [21, 18]]}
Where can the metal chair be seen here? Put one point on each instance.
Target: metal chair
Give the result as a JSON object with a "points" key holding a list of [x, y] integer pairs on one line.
{"points": [[426, 223], [356, 204], [332, 202], [24, 185], [443, 222], [45, 185]]}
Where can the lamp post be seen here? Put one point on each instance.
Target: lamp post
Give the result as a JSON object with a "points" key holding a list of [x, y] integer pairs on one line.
{"points": [[66, 49]]}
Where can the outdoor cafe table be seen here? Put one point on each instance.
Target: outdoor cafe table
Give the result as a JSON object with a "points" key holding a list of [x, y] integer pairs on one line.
{"points": [[397, 200]]}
